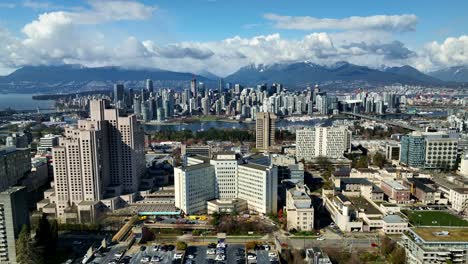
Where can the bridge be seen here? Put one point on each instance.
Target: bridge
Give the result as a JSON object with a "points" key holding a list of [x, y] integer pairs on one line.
{"points": [[387, 122]]}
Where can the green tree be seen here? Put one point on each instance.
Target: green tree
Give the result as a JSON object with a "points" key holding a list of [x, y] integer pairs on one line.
{"points": [[386, 245], [398, 256], [378, 160], [25, 251], [181, 245], [362, 162]]}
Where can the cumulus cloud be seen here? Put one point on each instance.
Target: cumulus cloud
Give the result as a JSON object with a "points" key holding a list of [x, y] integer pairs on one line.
{"points": [[70, 37], [451, 52], [394, 50], [395, 23], [179, 50]]}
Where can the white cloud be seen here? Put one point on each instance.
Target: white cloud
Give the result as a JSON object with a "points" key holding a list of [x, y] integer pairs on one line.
{"points": [[395, 23], [452, 52], [70, 37]]}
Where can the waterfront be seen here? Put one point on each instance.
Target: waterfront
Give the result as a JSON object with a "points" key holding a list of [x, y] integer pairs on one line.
{"points": [[219, 124], [23, 102]]}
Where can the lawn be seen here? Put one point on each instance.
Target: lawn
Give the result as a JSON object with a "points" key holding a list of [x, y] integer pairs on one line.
{"points": [[434, 218]]}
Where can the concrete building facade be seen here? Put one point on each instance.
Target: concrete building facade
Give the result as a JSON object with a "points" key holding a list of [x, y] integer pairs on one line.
{"points": [[330, 142], [265, 130], [299, 210], [13, 215]]}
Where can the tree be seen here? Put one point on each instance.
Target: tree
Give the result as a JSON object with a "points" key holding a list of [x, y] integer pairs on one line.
{"points": [[398, 256], [26, 252], [386, 245], [181, 245], [362, 162], [378, 160]]}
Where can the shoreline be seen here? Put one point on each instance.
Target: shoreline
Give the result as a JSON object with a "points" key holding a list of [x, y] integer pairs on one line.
{"points": [[192, 121]]}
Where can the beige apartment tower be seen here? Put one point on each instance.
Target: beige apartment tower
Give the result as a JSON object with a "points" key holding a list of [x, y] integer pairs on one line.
{"points": [[101, 157], [265, 130]]}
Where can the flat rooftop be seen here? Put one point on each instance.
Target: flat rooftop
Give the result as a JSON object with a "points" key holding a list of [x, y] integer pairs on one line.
{"points": [[255, 166], [361, 204], [435, 234], [197, 166], [395, 185]]}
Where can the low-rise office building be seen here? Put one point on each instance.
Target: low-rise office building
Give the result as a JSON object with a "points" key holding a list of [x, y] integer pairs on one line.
{"points": [[395, 191], [394, 224], [423, 189], [458, 198], [435, 245], [299, 210]]}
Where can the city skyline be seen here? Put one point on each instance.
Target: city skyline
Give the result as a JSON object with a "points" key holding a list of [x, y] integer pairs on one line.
{"points": [[221, 37]]}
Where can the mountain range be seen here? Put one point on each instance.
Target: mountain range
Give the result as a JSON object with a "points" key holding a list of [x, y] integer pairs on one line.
{"points": [[301, 74], [68, 78], [454, 74], [77, 78]]}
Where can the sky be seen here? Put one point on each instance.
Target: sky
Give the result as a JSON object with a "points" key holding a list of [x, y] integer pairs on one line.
{"points": [[221, 36]]}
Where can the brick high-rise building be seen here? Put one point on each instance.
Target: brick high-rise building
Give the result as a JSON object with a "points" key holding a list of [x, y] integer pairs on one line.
{"points": [[265, 130]]}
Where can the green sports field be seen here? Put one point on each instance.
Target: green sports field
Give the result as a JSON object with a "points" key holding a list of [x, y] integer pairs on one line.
{"points": [[434, 218]]}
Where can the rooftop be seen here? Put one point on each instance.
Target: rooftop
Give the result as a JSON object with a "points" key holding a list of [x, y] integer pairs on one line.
{"points": [[197, 166], [202, 158], [444, 234], [255, 166], [362, 181], [362, 205], [393, 219], [395, 185]]}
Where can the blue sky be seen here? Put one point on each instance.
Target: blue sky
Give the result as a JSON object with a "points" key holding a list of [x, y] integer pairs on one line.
{"points": [[220, 36]]}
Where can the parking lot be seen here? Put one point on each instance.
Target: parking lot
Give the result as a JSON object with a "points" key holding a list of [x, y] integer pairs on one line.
{"points": [[262, 255], [154, 254], [234, 254]]}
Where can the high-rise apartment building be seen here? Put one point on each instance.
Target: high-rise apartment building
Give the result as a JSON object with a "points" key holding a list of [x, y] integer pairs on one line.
{"points": [[149, 86], [330, 142], [265, 130], [13, 215], [103, 151], [193, 87], [118, 93]]}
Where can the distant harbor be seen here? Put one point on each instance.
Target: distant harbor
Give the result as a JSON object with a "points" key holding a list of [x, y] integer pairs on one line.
{"points": [[23, 102]]}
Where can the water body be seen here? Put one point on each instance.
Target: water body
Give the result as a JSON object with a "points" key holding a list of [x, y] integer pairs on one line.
{"points": [[205, 125], [23, 102]]}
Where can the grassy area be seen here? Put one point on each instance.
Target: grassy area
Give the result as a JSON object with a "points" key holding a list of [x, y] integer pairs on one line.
{"points": [[455, 234], [434, 218]]}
